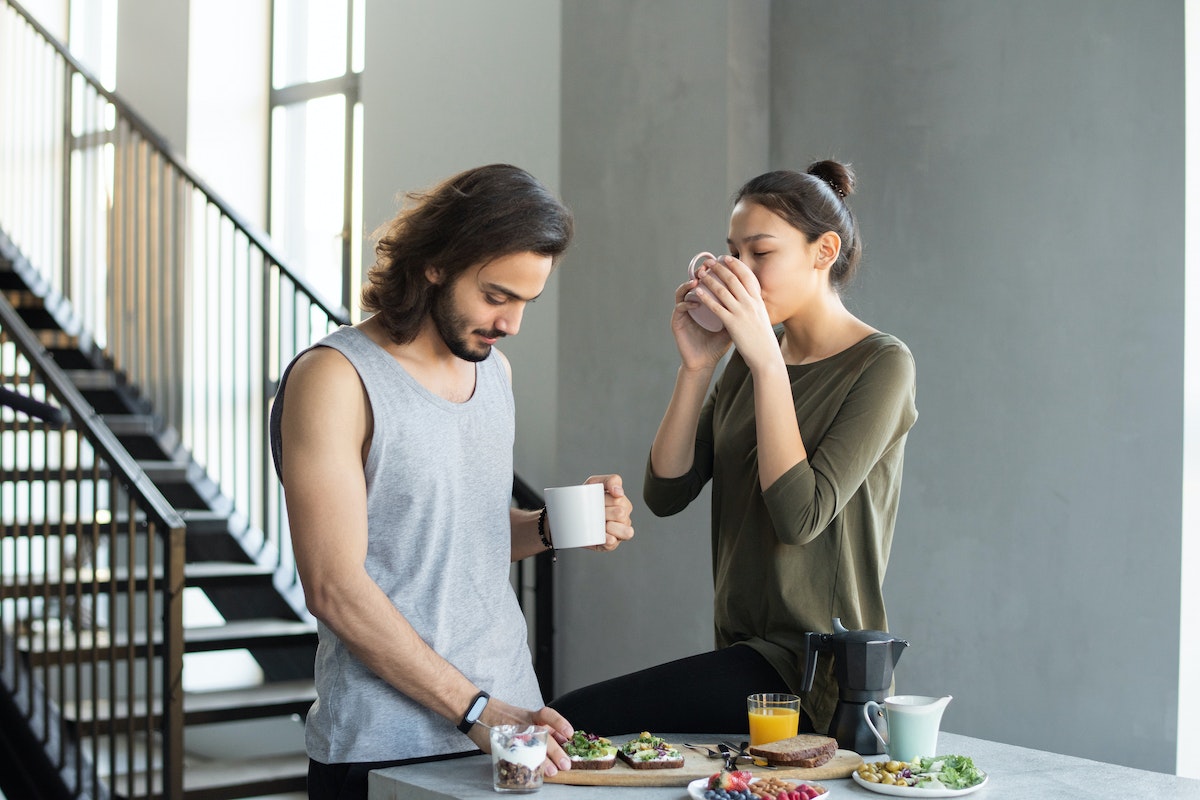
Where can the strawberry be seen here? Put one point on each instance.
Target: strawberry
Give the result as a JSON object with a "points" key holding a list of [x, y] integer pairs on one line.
{"points": [[739, 780], [720, 780]]}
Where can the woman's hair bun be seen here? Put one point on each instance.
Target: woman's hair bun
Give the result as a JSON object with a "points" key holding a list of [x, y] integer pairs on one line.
{"points": [[839, 176]]}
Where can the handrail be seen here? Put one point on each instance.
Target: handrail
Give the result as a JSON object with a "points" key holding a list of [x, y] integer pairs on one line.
{"points": [[79, 410], [32, 408], [76, 512]]}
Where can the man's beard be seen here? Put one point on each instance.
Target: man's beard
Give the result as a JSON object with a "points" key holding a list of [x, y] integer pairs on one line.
{"points": [[453, 328]]}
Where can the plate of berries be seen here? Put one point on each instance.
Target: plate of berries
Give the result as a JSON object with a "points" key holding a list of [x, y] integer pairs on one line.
{"points": [[742, 785]]}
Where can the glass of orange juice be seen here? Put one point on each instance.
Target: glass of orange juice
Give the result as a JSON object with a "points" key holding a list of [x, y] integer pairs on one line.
{"points": [[773, 717]]}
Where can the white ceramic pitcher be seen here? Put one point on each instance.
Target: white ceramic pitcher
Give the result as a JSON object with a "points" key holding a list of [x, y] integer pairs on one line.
{"points": [[912, 724]]}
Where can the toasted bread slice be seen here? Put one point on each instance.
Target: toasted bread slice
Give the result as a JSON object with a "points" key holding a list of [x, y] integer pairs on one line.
{"points": [[806, 750], [589, 751], [662, 762], [650, 752]]}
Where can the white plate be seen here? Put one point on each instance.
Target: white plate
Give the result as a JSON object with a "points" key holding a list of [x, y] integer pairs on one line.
{"points": [[913, 791], [696, 788]]}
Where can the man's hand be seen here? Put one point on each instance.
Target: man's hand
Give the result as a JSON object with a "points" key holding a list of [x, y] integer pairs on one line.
{"points": [[498, 712], [618, 526]]}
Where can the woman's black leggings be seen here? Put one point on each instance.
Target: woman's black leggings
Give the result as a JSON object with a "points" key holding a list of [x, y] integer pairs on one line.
{"points": [[705, 693]]}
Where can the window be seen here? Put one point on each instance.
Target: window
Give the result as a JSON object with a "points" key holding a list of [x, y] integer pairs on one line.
{"points": [[316, 142]]}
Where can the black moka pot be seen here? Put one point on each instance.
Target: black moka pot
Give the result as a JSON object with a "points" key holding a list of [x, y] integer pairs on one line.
{"points": [[863, 662]]}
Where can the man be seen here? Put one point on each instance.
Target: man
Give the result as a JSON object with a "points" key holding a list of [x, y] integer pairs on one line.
{"points": [[394, 448]]}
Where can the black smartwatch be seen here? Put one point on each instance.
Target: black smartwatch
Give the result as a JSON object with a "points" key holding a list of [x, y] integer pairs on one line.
{"points": [[474, 711]]}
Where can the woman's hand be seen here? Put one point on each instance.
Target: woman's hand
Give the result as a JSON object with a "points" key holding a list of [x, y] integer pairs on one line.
{"points": [[618, 525], [730, 289], [699, 349]]}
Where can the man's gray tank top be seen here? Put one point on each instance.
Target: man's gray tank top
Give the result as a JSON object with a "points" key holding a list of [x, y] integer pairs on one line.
{"points": [[439, 482]]}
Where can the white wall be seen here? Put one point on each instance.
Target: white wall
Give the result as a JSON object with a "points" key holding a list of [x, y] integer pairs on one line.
{"points": [[152, 64], [1188, 750], [229, 82], [459, 84]]}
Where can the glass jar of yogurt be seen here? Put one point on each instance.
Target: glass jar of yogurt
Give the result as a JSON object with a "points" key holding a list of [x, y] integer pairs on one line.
{"points": [[517, 756]]}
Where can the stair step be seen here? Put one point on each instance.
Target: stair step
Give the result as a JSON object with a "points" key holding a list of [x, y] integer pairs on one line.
{"points": [[281, 698], [21, 297], [130, 424], [55, 339], [44, 649], [165, 471], [201, 522], [205, 575], [225, 780], [93, 379]]}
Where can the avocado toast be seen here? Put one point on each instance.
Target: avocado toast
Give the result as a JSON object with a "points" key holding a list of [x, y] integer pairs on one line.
{"points": [[589, 751]]}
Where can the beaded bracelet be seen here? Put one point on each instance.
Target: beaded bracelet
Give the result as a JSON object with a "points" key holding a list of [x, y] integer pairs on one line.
{"points": [[546, 539]]}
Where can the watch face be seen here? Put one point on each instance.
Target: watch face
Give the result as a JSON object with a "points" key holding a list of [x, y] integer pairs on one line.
{"points": [[477, 708]]}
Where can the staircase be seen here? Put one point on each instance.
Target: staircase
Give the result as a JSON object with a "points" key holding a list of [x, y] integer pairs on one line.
{"points": [[136, 302], [143, 328], [220, 561]]}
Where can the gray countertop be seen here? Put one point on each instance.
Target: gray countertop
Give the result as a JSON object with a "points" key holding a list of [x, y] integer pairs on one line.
{"points": [[1013, 772]]}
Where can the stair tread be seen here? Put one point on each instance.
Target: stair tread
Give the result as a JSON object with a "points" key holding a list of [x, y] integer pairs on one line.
{"points": [[198, 573], [241, 703], [213, 774], [211, 780], [231, 635]]}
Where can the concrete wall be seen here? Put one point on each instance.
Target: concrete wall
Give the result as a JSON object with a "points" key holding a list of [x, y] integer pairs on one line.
{"points": [[447, 86], [1021, 178], [1021, 169], [664, 111]]}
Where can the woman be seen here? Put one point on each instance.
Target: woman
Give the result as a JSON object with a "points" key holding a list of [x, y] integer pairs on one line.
{"points": [[803, 438]]}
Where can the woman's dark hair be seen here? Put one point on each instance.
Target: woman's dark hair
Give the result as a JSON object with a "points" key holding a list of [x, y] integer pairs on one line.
{"points": [[813, 202], [474, 217]]}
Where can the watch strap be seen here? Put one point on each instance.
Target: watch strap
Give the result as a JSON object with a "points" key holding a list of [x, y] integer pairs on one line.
{"points": [[474, 711]]}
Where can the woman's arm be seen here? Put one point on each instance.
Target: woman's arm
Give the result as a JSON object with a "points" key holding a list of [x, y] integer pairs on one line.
{"points": [[674, 445], [875, 416]]}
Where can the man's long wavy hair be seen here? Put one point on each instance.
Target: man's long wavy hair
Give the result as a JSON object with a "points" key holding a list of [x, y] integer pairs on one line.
{"points": [[474, 217]]}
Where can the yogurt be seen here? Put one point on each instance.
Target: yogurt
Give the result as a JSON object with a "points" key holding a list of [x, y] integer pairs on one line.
{"points": [[517, 756]]}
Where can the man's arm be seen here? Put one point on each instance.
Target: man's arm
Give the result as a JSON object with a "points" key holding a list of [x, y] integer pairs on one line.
{"points": [[326, 426]]}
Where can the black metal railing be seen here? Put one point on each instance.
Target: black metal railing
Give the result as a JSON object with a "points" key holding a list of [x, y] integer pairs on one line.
{"points": [[190, 303], [157, 278], [91, 586]]}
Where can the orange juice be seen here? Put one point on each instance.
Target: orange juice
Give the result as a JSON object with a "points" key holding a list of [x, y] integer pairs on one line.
{"points": [[772, 724]]}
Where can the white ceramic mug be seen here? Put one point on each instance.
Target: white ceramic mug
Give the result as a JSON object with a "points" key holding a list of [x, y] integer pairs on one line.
{"points": [[912, 724], [704, 318], [576, 515]]}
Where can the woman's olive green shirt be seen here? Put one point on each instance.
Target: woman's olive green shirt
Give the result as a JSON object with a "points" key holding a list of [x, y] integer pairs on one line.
{"points": [[815, 544]]}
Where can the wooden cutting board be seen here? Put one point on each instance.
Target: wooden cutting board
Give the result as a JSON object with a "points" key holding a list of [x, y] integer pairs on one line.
{"points": [[696, 766]]}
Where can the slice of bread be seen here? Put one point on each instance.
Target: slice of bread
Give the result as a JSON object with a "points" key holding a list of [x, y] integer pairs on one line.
{"points": [[593, 763], [661, 762], [806, 750], [650, 752], [589, 751]]}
